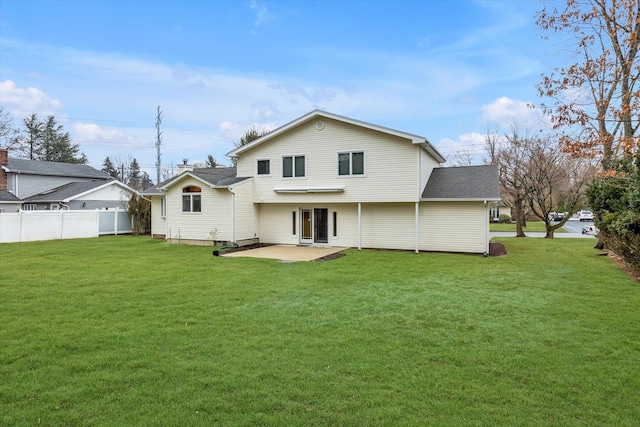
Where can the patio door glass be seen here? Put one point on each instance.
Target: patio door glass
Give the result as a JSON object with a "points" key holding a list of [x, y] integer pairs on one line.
{"points": [[320, 226], [306, 226]]}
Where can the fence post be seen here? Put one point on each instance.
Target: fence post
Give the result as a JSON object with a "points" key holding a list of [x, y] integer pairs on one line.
{"points": [[115, 221]]}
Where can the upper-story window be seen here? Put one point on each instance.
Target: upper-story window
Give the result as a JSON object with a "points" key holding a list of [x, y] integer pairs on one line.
{"points": [[264, 167], [191, 199], [293, 167], [351, 163]]}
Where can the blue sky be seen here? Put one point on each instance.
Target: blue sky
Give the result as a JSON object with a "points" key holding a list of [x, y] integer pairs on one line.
{"points": [[445, 69]]}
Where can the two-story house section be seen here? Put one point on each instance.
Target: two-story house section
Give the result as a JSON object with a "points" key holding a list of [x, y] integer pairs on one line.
{"points": [[330, 180], [325, 179]]}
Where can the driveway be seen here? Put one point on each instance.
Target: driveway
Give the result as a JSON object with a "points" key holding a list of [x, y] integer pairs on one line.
{"points": [[573, 227], [286, 252]]}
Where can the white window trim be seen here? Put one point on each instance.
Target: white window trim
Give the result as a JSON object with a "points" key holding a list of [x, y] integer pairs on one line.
{"points": [[163, 206], [54, 207], [29, 207], [293, 166], [270, 167], [191, 211], [351, 175]]}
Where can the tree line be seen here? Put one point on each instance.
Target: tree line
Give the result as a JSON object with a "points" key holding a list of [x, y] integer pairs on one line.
{"points": [[39, 139]]}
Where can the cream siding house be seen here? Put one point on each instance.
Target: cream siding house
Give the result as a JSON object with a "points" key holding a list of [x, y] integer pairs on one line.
{"points": [[203, 206], [325, 179]]}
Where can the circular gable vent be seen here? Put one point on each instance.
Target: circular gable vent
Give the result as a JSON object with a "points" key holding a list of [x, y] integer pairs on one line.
{"points": [[319, 125]]}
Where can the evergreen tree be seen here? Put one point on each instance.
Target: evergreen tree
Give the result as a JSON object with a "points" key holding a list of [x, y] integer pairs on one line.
{"points": [[134, 178], [46, 140], [109, 168]]}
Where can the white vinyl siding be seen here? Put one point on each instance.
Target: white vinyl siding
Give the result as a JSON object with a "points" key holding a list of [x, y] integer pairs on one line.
{"points": [[427, 163], [158, 221], [391, 165], [217, 213], [111, 192], [276, 223], [453, 226], [247, 222], [389, 225]]}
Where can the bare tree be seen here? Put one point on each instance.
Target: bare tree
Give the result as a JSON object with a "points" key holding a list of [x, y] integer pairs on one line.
{"points": [[10, 137], [596, 99], [463, 158], [512, 160], [491, 145], [554, 181]]}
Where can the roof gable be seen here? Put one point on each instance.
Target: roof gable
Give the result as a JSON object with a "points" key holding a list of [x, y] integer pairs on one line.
{"points": [[39, 167], [463, 183], [318, 114], [213, 177], [74, 190], [8, 197]]}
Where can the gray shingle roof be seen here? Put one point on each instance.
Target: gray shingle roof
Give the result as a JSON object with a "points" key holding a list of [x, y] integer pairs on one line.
{"points": [[220, 177], [7, 196], [464, 182], [38, 167], [217, 177], [65, 191]]}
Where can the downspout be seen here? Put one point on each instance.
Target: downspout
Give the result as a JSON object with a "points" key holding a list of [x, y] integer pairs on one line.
{"points": [[233, 203], [486, 230]]}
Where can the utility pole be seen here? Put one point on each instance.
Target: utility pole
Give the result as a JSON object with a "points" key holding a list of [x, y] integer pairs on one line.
{"points": [[158, 143]]}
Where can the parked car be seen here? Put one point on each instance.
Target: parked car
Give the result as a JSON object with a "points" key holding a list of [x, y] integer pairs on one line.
{"points": [[585, 216], [559, 216]]}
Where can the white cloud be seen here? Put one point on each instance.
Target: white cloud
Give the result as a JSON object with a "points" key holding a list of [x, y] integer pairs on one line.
{"points": [[23, 102], [507, 112], [262, 14]]}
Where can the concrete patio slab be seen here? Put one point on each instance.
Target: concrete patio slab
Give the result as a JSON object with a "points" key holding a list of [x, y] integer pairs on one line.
{"points": [[286, 252]]}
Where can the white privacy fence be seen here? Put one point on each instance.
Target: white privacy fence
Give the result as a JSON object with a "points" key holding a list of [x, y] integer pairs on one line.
{"points": [[29, 226]]}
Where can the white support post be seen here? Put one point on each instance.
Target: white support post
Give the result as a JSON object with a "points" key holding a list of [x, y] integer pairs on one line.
{"points": [[417, 227], [359, 225]]}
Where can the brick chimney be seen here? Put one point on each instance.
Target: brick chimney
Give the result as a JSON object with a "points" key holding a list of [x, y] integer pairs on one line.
{"points": [[4, 159]]}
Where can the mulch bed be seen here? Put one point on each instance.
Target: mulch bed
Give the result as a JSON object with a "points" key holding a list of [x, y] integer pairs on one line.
{"points": [[497, 249], [329, 257], [630, 271]]}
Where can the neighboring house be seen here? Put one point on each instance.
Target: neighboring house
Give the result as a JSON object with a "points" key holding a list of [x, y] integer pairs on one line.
{"points": [[503, 207], [9, 202], [40, 185], [325, 179], [88, 195]]}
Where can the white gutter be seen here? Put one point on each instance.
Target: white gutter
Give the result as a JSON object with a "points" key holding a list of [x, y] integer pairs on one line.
{"points": [[417, 227]]}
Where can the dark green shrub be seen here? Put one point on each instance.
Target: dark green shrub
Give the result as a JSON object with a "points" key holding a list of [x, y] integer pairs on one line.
{"points": [[504, 219]]}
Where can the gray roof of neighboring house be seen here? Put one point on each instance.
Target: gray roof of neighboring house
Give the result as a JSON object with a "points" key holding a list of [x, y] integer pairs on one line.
{"points": [[65, 191], [464, 182], [7, 196], [217, 177], [39, 167]]}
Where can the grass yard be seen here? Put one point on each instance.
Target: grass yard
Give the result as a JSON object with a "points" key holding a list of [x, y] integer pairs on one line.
{"points": [[532, 226], [131, 331]]}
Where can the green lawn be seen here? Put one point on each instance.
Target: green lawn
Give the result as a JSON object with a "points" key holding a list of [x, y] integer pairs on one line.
{"points": [[532, 226], [131, 331]]}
